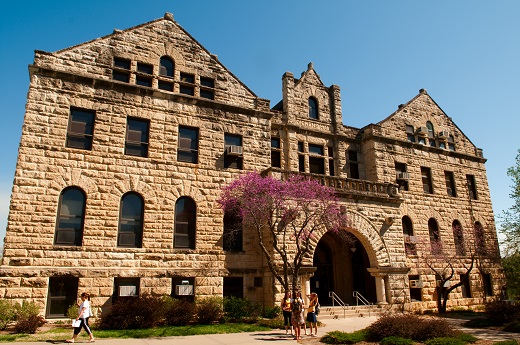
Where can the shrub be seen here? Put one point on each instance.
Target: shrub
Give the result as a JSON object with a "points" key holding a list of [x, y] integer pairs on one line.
{"points": [[480, 322], [409, 327], [271, 312], [337, 337], [26, 309], [179, 313], [501, 312], [444, 341], [507, 342], [209, 310], [241, 309], [73, 311], [7, 313], [465, 337], [513, 327], [135, 313], [393, 340], [271, 323], [29, 324]]}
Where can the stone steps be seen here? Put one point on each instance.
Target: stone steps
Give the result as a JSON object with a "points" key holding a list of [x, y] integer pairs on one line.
{"points": [[328, 312]]}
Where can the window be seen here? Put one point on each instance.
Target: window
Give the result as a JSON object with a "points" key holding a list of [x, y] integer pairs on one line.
{"points": [[466, 291], [165, 85], [409, 238], [125, 288], [426, 180], [183, 288], [166, 67], [71, 217], [276, 153], [144, 75], [301, 156], [187, 86], [353, 164], [415, 288], [458, 238], [188, 147], [431, 135], [480, 242], [316, 159], [313, 108], [121, 70], [486, 284], [207, 88], [435, 239], [232, 238], [258, 282], [185, 217], [451, 143], [137, 137], [233, 287], [450, 183], [233, 155], [421, 140], [131, 221], [330, 151], [81, 128], [402, 176], [410, 133], [472, 189], [63, 292]]}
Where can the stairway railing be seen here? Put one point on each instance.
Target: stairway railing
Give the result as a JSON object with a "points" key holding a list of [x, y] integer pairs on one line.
{"points": [[336, 299]]}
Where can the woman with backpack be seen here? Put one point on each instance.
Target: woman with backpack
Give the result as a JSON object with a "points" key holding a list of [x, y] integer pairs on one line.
{"points": [[297, 308]]}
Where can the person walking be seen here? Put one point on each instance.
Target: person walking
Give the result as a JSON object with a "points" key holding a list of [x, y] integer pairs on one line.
{"points": [[297, 309], [311, 313], [286, 309], [83, 316]]}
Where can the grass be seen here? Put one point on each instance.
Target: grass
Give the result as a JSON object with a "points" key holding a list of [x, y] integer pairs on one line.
{"points": [[65, 332]]}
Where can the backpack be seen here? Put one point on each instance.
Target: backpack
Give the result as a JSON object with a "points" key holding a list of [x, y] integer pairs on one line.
{"points": [[297, 306], [317, 308]]}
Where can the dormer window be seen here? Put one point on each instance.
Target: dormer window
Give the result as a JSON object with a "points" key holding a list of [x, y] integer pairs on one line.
{"points": [[121, 71], [166, 67], [207, 88], [313, 108]]}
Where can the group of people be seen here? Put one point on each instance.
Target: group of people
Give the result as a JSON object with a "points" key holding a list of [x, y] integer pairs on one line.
{"points": [[293, 314]]}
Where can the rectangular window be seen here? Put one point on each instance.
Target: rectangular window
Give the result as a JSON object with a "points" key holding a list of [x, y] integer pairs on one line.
{"points": [[165, 85], [410, 133], [63, 292], [125, 288], [233, 155], [451, 143], [330, 151], [415, 288], [233, 287], [466, 291], [207, 89], [258, 282], [316, 159], [183, 288], [486, 282], [137, 137], [188, 146], [186, 86], [144, 68], [301, 157], [146, 79], [276, 153], [353, 164], [121, 70], [81, 128], [472, 188], [450, 183], [402, 176], [426, 180]]}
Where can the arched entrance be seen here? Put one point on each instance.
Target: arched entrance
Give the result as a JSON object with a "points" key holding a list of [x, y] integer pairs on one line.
{"points": [[341, 264]]}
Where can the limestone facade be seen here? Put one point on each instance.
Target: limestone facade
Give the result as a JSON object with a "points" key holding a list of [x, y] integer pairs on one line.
{"points": [[412, 167]]}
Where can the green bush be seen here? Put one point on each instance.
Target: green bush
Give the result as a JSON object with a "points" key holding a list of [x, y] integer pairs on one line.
{"points": [[409, 327], [271, 323], [393, 340], [271, 312], [26, 309], [28, 324], [135, 313], [513, 327], [179, 312], [337, 337], [444, 341], [502, 312], [507, 342], [7, 313], [209, 310], [480, 322], [73, 311], [241, 309], [465, 337]]}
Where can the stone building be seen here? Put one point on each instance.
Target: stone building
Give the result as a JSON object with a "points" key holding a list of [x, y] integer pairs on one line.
{"points": [[128, 139]]}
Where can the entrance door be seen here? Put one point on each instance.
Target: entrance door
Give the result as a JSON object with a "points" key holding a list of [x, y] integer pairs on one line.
{"points": [[322, 281]]}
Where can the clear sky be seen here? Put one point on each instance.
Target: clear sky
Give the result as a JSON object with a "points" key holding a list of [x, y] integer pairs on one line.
{"points": [[465, 53]]}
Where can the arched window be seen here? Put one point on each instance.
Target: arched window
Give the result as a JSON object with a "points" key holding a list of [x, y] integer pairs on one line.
{"points": [[131, 221], [313, 108], [232, 237], [435, 238], [166, 67], [429, 125], [185, 217], [409, 238], [458, 238], [71, 217], [480, 242]]}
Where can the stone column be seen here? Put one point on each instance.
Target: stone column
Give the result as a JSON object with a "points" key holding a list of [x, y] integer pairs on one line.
{"points": [[380, 287]]}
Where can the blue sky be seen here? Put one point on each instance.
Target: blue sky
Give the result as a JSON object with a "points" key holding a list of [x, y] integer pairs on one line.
{"points": [[465, 53]]}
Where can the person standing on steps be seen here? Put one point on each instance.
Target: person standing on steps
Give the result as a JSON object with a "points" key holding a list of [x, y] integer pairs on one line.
{"points": [[286, 309], [311, 313], [83, 316]]}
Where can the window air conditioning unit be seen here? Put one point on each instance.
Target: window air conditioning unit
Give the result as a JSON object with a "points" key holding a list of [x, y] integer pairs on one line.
{"points": [[443, 134], [403, 176], [184, 290], [423, 130], [234, 150], [127, 291], [416, 283]]}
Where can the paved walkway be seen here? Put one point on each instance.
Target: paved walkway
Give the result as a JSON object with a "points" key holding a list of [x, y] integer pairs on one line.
{"points": [[276, 336]]}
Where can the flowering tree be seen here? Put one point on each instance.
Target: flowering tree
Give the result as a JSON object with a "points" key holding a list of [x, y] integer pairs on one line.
{"points": [[285, 216]]}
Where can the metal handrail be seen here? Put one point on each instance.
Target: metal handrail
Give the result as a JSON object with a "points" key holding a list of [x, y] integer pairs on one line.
{"points": [[335, 298], [359, 297]]}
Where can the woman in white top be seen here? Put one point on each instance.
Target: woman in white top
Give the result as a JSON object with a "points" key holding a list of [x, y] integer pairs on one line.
{"points": [[83, 316]]}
